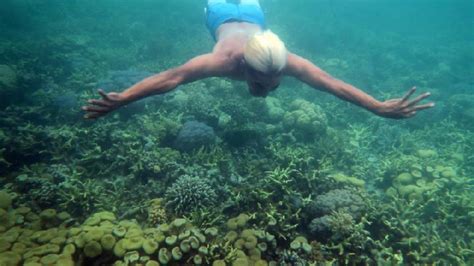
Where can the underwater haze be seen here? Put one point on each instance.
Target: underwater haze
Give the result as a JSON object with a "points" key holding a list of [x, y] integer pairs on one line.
{"points": [[207, 174]]}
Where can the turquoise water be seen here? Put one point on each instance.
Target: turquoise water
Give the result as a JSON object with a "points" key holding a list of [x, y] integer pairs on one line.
{"points": [[296, 178]]}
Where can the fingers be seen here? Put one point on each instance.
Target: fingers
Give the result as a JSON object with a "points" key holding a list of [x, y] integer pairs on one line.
{"points": [[419, 98], [99, 102], [409, 93], [103, 94], [98, 109], [423, 106]]}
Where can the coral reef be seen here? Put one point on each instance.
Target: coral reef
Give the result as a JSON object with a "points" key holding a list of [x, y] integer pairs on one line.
{"points": [[194, 135], [190, 193], [347, 200]]}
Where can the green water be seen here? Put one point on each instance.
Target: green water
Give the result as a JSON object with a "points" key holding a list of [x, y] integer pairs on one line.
{"points": [[296, 178]]}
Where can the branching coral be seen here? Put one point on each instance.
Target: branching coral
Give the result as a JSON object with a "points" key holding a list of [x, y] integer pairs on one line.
{"points": [[190, 193]]}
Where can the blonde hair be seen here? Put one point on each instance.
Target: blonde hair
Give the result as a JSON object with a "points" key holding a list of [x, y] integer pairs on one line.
{"points": [[265, 52]]}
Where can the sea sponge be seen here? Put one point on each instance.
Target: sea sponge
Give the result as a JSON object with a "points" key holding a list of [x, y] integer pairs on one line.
{"points": [[262, 246], [107, 241], [69, 249], [197, 259], [119, 249], [306, 247], [133, 243], [105, 216], [95, 233], [48, 214], [65, 260], [91, 221], [183, 235], [18, 247], [4, 245], [185, 246], [254, 254], [119, 231], [176, 253], [250, 242], [242, 219], [134, 232], [5, 200], [92, 249], [261, 263], [203, 250], [49, 259], [231, 236], [193, 242], [74, 231], [404, 179], [42, 250], [232, 224], [131, 257], [218, 263], [59, 240], [150, 246], [152, 263], [63, 216], [9, 258], [241, 262], [200, 236], [239, 243], [164, 256], [179, 222], [11, 235], [171, 240], [211, 231]]}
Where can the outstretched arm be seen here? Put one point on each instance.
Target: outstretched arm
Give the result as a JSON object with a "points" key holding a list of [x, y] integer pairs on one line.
{"points": [[200, 67], [315, 77]]}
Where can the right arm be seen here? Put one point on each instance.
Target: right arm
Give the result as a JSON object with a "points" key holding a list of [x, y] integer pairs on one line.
{"points": [[200, 67]]}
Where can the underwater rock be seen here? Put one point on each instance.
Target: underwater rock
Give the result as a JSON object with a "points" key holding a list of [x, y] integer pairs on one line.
{"points": [[194, 135]]}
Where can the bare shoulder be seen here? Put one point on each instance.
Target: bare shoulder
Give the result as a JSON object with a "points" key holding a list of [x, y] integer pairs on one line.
{"points": [[204, 66], [295, 65]]}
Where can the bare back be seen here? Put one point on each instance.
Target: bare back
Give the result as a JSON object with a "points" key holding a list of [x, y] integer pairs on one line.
{"points": [[231, 40]]}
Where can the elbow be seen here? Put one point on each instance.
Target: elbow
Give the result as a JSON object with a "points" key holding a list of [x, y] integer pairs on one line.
{"points": [[173, 79]]}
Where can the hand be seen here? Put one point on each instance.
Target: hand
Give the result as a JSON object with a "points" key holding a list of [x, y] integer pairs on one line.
{"points": [[403, 107], [100, 107]]}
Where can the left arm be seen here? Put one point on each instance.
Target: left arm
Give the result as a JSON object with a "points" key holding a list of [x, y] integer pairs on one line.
{"points": [[315, 77]]}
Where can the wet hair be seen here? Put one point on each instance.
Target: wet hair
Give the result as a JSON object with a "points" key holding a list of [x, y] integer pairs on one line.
{"points": [[266, 53]]}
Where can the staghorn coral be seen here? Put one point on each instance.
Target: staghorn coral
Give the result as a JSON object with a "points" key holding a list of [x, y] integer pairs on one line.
{"points": [[190, 193]]}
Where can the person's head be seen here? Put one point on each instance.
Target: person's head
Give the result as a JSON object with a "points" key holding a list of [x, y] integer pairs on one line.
{"points": [[265, 57]]}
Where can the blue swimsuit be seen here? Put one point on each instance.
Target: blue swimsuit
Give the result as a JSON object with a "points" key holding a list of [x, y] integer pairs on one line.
{"points": [[220, 13]]}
